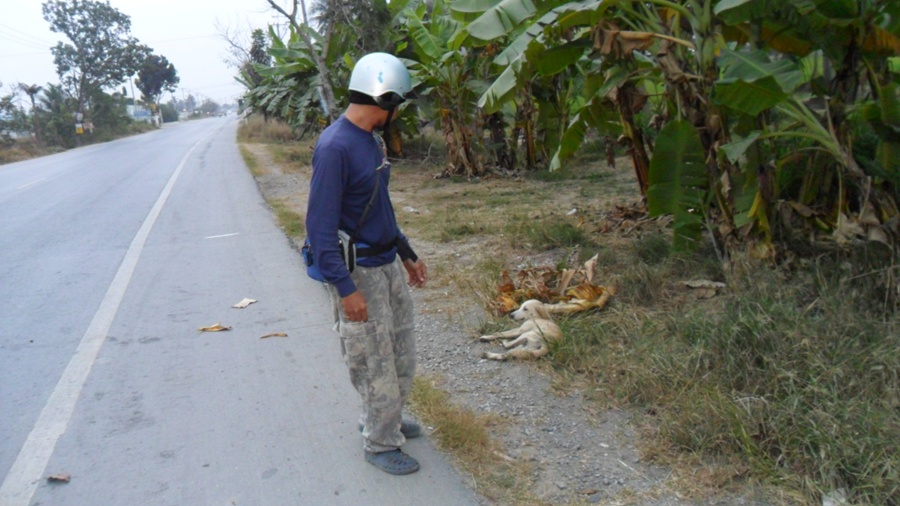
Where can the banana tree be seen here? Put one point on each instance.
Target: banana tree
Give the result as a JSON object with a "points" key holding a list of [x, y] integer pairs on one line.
{"points": [[543, 83], [448, 75], [840, 191], [637, 46], [289, 89]]}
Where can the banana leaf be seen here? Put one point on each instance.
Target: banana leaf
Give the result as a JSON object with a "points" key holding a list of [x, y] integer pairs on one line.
{"points": [[595, 114], [678, 184], [501, 19], [501, 90], [427, 45], [751, 83]]}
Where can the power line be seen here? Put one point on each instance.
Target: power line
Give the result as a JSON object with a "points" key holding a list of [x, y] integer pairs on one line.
{"points": [[27, 35], [23, 54], [19, 40]]}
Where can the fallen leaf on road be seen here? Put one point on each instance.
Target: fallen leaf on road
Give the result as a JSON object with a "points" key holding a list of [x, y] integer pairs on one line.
{"points": [[218, 327], [62, 477], [275, 334], [244, 303]]}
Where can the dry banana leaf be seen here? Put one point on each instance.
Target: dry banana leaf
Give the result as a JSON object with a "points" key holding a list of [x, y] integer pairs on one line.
{"points": [[59, 478], [218, 327], [572, 289]]}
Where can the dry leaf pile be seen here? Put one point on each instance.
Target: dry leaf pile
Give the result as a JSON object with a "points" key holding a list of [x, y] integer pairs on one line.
{"points": [[625, 219], [567, 290]]}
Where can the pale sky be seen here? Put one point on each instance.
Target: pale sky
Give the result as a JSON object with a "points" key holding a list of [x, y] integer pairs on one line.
{"points": [[184, 31]]}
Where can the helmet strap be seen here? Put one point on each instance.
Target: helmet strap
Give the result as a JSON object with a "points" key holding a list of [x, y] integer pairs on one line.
{"points": [[386, 128]]}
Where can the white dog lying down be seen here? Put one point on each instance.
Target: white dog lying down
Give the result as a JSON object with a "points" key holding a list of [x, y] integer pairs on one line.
{"points": [[531, 337]]}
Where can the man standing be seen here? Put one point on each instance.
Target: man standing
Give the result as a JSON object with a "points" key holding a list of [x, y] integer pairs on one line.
{"points": [[372, 304]]}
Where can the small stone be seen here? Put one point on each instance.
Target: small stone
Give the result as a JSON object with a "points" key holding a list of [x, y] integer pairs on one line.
{"points": [[561, 485]]}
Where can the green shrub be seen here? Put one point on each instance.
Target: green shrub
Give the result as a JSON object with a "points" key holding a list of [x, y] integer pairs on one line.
{"points": [[545, 233]]}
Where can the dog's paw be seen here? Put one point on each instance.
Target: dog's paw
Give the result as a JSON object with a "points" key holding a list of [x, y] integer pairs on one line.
{"points": [[484, 339]]}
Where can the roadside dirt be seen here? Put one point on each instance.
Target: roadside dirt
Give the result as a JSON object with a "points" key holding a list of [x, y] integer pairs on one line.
{"points": [[578, 453]]}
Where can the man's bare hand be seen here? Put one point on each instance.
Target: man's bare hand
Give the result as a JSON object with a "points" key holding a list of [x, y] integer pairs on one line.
{"points": [[355, 307], [418, 273]]}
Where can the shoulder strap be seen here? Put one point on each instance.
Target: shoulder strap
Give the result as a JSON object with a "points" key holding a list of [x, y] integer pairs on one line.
{"points": [[365, 213]]}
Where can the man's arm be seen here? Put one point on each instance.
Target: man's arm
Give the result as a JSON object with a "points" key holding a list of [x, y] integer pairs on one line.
{"points": [[323, 214]]}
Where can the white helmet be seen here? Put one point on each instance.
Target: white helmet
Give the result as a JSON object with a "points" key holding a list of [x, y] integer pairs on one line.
{"points": [[383, 77]]}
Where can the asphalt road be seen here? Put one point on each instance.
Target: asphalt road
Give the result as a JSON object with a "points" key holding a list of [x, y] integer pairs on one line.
{"points": [[111, 258]]}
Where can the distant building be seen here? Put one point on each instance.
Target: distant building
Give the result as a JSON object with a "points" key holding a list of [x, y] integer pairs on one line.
{"points": [[140, 113]]}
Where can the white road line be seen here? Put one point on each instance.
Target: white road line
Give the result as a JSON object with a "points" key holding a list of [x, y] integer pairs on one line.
{"points": [[31, 183], [27, 471], [221, 236]]}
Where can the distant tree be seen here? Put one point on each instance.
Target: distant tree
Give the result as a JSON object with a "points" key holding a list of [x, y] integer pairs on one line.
{"points": [[7, 117], [155, 76], [32, 90], [319, 55], [209, 106], [169, 112], [102, 52], [57, 109], [190, 103], [366, 22], [258, 48]]}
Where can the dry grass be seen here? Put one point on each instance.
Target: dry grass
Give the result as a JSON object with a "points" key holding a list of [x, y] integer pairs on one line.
{"points": [[466, 436], [24, 149], [255, 129], [293, 158]]}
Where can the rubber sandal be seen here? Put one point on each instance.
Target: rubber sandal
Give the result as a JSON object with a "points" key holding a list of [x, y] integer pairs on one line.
{"points": [[408, 428], [393, 462]]}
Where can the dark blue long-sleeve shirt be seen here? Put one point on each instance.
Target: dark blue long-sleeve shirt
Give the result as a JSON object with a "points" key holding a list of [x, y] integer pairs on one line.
{"points": [[344, 171]]}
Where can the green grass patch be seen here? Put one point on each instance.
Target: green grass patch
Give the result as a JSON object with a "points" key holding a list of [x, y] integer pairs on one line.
{"points": [[250, 161], [548, 176], [544, 233], [292, 223]]}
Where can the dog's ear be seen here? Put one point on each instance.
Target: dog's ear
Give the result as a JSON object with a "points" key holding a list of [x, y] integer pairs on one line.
{"points": [[541, 310]]}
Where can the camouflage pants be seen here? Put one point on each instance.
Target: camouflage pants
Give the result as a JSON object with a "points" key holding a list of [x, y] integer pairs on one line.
{"points": [[380, 353]]}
